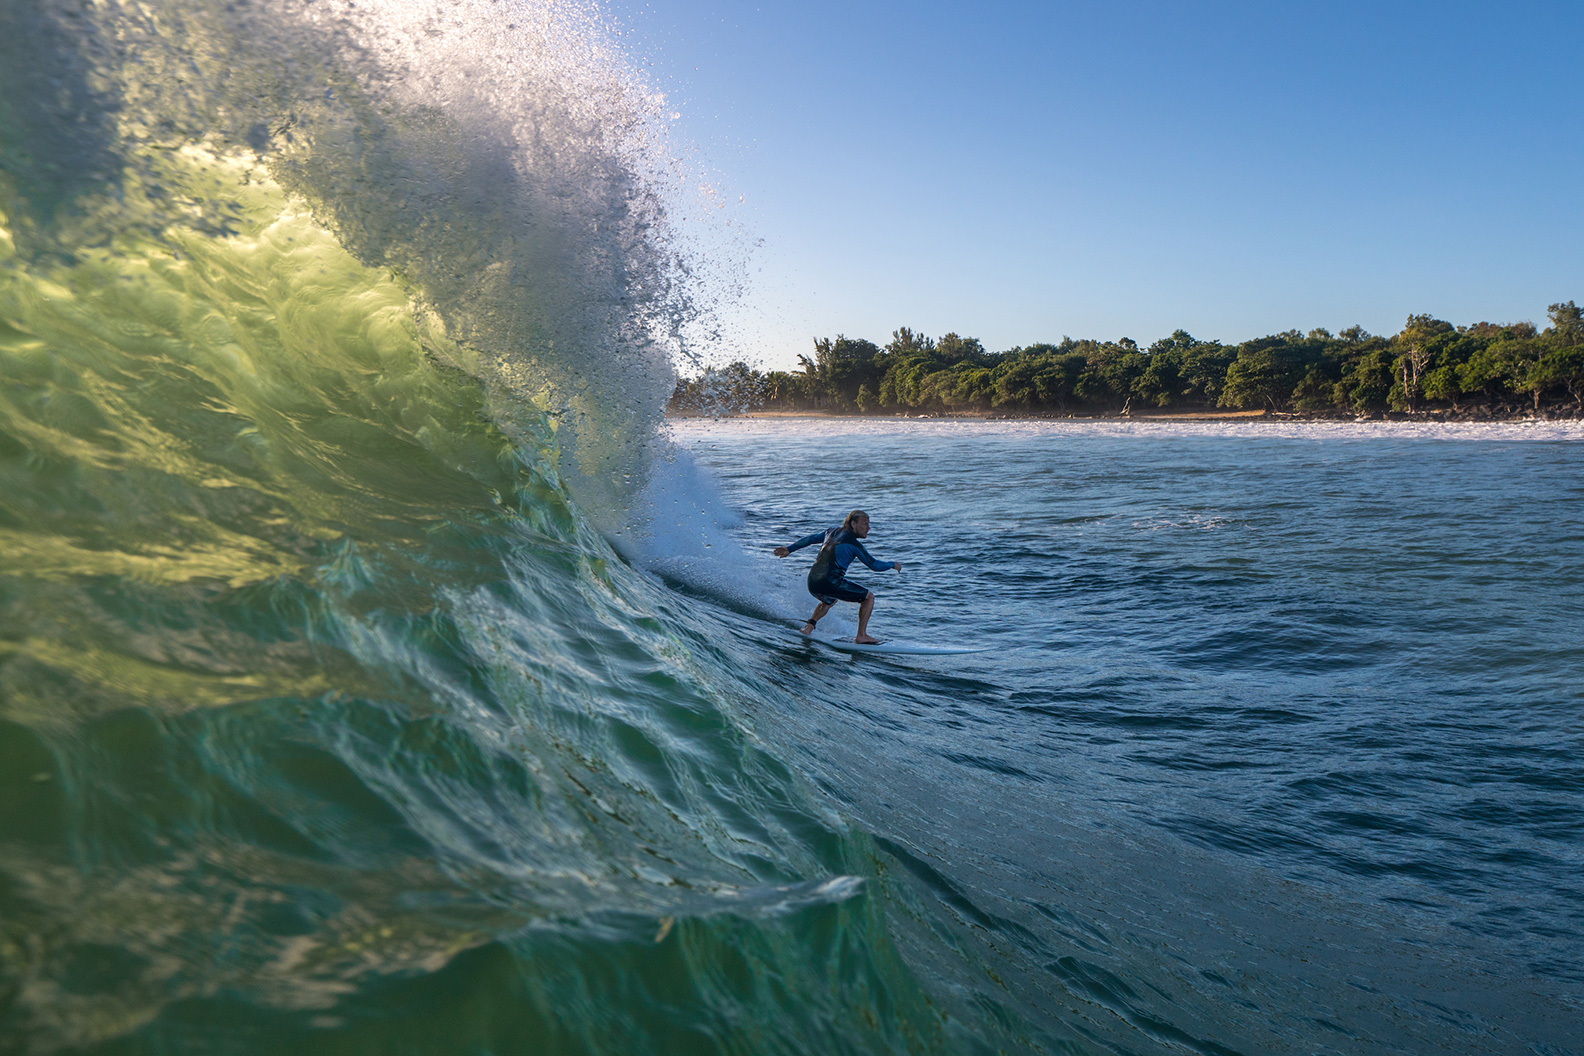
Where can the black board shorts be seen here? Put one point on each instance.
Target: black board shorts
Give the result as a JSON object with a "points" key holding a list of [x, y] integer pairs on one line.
{"points": [[830, 591]]}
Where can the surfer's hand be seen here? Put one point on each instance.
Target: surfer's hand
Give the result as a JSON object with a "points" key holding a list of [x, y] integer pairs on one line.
{"points": [[781, 551], [898, 565]]}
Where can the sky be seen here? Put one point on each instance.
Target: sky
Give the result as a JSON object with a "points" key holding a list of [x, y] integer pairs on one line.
{"points": [[1018, 171]]}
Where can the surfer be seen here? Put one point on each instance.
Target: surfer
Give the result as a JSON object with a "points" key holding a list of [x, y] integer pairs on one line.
{"points": [[827, 579]]}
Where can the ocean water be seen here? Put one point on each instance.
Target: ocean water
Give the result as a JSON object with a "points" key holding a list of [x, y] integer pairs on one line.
{"points": [[380, 672], [1278, 747]]}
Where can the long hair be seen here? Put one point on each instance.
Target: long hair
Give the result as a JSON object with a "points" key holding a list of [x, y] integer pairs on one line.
{"points": [[853, 516]]}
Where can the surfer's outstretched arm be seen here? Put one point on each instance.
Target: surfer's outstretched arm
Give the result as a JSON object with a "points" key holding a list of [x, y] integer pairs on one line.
{"points": [[807, 540], [862, 554]]}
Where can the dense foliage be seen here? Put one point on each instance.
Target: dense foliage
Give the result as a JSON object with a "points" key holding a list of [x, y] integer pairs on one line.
{"points": [[1429, 365]]}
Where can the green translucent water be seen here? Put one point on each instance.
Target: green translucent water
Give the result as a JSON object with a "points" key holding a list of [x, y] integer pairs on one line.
{"points": [[324, 712]]}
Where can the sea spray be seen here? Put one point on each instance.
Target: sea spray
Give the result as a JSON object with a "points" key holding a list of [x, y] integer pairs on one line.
{"points": [[500, 160], [328, 716]]}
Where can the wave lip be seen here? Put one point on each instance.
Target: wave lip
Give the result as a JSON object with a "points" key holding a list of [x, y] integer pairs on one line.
{"points": [[513, 174]]}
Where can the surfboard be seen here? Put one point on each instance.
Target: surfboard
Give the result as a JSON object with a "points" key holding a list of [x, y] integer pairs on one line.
{"points": [[892, 646]]}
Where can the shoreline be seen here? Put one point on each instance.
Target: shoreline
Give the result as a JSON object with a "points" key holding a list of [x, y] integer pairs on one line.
{"points": [[1440, 415]]}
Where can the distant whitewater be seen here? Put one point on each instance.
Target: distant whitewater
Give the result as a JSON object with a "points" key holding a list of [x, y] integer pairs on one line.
{"points": [[376, 674]]}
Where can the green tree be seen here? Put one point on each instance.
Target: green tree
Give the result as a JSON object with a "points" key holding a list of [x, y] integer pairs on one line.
{"points": [[1567, 326], [1546, 364], [1428, 360], [842, 366], [905, 381], [1204, 371], [955, 349], [1488, 372], [1056, 381], [1366, 381], [905, 342], [972, 388], [908, 358], [1014, 381], [717, 391], [1124, 373], [1441, 383], [1315, 392], [1265, 372], [1565, 367], [1161, 379], [1416, 344]]}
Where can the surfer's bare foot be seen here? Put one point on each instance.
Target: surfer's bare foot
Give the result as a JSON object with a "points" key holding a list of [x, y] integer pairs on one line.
{"points": [[866, 639], [808, 628]]}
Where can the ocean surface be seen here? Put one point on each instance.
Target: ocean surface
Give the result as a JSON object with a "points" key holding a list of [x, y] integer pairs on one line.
{"points": [[380, 672], [1279, 745]]}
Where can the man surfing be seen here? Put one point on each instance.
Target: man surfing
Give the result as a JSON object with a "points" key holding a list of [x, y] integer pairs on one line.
{"points": [[827, 579]]}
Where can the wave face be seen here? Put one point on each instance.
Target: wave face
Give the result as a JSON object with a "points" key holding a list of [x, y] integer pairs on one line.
{"points": [[332, 337]]}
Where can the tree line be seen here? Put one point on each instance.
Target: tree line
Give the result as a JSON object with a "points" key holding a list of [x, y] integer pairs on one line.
{"points": [[1486, 368]]}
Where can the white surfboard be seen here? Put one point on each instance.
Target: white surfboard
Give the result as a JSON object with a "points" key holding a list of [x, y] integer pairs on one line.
{"points": [[892, 646]]}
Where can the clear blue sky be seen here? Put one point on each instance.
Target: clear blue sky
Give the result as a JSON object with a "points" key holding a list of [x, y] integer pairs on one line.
{"points": [[1019, 171]]}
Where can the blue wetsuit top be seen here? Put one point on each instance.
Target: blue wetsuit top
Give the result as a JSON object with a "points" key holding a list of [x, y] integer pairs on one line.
{"points": [[838, 547]]}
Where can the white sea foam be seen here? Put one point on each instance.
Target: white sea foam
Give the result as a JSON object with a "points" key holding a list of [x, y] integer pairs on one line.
{"points": [[1099, 427], [679, 528]]}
